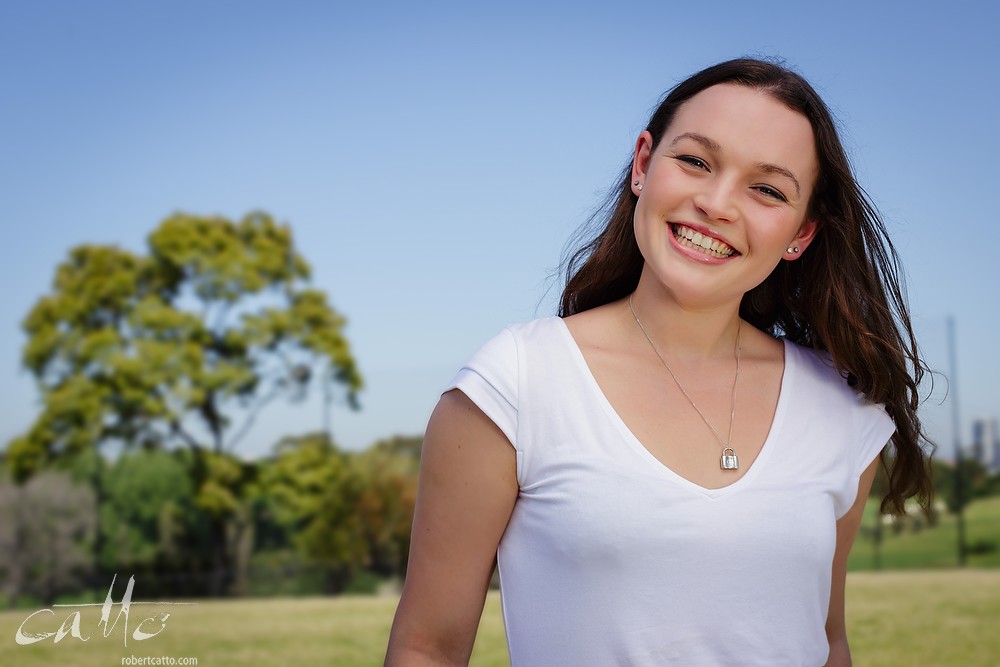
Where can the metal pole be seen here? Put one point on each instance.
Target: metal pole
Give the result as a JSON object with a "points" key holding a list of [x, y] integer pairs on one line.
{"points": [[877, 536], [956, 435]]}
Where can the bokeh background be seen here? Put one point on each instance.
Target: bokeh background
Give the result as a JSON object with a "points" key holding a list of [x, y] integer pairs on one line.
{"points": [[431, 161]]}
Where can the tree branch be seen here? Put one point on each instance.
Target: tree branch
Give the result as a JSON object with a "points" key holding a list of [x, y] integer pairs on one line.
{"points": [[176, 429], [252, 417]]}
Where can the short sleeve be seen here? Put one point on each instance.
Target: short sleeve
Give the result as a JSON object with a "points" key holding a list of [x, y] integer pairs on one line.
{"points": [[876, 428], [490, 380], [873, 428]]}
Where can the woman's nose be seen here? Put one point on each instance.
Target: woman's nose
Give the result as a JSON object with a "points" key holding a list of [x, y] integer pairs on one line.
{"points": [[717, 200]]}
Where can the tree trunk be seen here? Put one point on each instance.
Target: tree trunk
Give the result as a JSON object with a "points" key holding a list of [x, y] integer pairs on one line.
{"points": [[15, 572], [336, 579], [219, 582], [98, 574]]}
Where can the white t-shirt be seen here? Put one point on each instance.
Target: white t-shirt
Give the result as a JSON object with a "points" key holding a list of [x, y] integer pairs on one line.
{"points": [[610, 558]]}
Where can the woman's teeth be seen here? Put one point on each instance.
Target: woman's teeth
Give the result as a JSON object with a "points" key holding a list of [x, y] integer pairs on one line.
{"points": [[691, 239]]}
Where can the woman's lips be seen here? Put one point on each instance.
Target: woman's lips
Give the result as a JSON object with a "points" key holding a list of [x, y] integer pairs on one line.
{"points": [[700, 242]]}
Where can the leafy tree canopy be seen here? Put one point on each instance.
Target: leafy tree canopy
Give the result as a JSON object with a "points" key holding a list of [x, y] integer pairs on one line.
{"points": [[172, 347], [313, 489], [149, 498]]}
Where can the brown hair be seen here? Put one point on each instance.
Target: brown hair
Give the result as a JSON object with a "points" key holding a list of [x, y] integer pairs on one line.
{"points": [[844, 296]]}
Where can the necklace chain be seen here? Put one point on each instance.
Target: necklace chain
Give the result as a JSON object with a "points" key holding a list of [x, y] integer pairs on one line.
{"points": [[732, 401]]}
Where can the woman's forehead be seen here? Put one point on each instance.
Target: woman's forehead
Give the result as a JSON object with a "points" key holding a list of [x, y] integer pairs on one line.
{"points": [[747, 123]]}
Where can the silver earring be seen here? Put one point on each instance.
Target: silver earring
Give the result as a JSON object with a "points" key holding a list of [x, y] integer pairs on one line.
{"points": [[794, 249], [637, 184]]}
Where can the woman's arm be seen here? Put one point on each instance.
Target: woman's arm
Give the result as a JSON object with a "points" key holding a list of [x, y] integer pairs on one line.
{"points": [[466, 493], [847, 529]]}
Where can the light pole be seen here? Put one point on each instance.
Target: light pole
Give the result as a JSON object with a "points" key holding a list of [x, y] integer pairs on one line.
{"points": [[956, 435]]}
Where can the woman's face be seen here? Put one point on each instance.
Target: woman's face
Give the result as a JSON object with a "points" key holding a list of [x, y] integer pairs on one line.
{"points": [[724, 195]]}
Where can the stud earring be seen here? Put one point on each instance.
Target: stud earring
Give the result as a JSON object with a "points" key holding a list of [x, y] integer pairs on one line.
{"points": [[794, 249], [638, 185]]}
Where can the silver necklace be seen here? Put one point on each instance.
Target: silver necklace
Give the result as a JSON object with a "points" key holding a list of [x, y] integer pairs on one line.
{"points": [[729, 460]]}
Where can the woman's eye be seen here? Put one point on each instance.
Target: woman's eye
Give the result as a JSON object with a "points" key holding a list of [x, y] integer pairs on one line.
{"points": [[771, 192], [693, 161]]}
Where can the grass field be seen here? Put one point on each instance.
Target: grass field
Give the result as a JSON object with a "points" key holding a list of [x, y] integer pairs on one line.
{"points": [[946, 618], [934, 547]]}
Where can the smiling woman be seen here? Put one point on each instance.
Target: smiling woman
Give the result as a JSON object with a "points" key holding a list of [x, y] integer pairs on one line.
{"points": [[722, 200], [673, 470]]}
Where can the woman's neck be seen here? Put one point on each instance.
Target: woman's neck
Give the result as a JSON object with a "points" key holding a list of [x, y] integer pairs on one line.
{"points": [[680, 330]]}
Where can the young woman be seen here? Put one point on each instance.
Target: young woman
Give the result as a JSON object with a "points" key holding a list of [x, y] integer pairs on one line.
{"points": [[673, 471]]}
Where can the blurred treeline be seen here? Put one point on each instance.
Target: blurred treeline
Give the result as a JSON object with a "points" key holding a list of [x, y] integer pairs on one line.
{"points": [[954, 491], [309, 519], [954, 488], [166, 358]]}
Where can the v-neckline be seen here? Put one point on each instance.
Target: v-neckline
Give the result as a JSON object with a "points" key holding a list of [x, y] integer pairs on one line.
{"points": [[776, 421]]}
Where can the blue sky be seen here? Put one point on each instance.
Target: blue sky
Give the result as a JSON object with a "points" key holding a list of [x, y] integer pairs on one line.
{"points": [[433, 159]]}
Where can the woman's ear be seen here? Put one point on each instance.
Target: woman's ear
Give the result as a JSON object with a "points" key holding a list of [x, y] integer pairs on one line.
{"points": [[640, 161], [805, 235]]}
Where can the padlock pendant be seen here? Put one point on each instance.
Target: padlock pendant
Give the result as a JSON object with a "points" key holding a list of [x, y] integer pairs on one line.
{"points": [[730, 461]]}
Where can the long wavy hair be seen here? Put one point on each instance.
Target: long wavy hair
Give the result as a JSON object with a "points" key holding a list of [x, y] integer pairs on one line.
{"points": [[844, 295]]}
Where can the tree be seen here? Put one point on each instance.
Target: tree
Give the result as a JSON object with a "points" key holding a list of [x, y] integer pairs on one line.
{"points": [[182, 346], [148, 494], [151, 521], [390, 469], [45, 527], [975, 483], [345, 510], [314, 490]]}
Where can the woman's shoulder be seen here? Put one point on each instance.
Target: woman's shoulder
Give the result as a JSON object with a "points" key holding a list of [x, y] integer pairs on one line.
{"points": [[815, 363], [506, 345], [596, 327], [537, 326], [818, 369]]}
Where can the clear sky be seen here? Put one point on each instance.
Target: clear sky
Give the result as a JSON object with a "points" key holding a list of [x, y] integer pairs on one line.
{"points": [[434, 158]]}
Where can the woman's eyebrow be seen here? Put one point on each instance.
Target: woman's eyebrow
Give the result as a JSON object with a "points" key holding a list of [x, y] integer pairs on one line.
{"points": [[710, 144], [781, 171], [714, 146]]}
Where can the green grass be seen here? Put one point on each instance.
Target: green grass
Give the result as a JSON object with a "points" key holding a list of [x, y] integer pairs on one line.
{"points": [[931, 547], [941, 618], [931, 619], [348, 631]]}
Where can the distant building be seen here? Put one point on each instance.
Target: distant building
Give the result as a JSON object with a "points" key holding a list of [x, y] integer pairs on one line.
{"points": [[986, 443]]}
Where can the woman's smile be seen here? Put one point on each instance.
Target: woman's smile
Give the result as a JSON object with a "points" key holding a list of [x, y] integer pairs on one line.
{"points": [[701, 241]]}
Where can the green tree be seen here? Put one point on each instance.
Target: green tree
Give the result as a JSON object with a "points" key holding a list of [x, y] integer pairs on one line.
{"points": [[975, 483], [389, 469], [184, 345], [151, 522], [991, 485], [314, 490]]}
